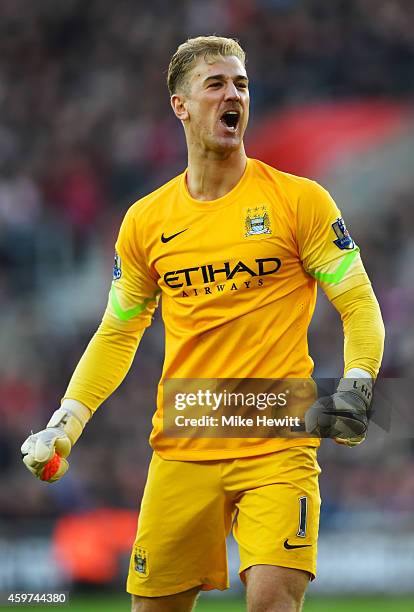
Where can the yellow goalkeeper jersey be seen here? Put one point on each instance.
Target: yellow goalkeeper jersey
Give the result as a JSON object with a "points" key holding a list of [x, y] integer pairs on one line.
{"points": [[238, 280]]}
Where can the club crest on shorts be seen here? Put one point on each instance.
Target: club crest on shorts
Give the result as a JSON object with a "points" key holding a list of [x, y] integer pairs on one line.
{"points": [[344, 240], [257, 221], [141, 561], [117, 272]]}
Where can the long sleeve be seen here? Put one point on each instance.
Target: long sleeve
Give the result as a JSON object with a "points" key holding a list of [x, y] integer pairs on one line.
{"points": [[330, 255], [132, 301], [363, 328], [352, 295], [103, 366]]}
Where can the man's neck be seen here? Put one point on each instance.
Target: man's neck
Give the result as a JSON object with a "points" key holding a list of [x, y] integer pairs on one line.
{"points": [[211, 178]]}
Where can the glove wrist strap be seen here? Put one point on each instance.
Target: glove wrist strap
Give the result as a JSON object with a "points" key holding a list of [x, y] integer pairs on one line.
{"points": [[71, 418], [362, 387]]}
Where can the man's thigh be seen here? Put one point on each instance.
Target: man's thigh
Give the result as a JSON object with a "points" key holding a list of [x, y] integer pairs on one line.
{"points": [[273, 589], [182, 526], [277, 516], [180, 602]]}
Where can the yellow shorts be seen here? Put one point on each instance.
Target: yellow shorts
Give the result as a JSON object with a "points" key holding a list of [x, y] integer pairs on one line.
{"points": [[271, 502]]}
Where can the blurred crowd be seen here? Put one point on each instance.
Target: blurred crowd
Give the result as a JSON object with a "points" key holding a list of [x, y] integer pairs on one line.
{"points": [[86, 128]]}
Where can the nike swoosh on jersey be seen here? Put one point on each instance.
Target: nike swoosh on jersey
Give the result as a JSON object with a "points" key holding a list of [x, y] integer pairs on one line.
{"points": [[290, 546], [165, 239]]}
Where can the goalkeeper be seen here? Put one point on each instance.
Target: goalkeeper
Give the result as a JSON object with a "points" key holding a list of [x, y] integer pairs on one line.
{"points": [[236, 249]]}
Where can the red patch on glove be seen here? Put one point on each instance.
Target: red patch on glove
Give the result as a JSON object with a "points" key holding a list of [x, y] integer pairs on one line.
{"points": [[50, 468]]}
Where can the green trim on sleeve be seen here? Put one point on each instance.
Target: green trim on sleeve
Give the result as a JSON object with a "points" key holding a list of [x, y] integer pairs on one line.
{"points": [[335, 277], [126, 315]]}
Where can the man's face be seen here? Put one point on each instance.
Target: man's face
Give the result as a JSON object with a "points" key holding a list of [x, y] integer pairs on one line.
{"points": [[216, 101]]}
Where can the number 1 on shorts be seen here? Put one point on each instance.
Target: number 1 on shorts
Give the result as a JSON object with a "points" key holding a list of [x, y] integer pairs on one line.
{"points": [[303, 513]]}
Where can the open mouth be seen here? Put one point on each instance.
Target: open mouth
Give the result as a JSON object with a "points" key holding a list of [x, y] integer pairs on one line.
{"points": [[230, 119]]}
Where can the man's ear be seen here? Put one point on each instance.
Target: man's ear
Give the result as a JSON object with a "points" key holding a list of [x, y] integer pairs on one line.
{"points": [[179, 106]]}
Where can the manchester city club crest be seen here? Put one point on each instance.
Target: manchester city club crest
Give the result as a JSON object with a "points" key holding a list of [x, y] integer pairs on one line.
{"points": [[257, 221], [141, 561]]}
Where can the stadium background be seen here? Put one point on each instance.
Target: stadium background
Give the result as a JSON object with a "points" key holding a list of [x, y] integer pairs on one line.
{"points": [[85, 129]]}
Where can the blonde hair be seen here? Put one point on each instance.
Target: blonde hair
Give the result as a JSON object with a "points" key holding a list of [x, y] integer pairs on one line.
{"points": [[187, 54]]}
